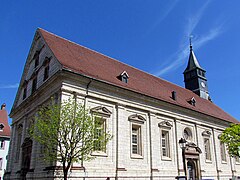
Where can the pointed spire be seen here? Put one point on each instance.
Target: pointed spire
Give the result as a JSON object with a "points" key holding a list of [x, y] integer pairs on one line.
{"points": [[192, 61]]}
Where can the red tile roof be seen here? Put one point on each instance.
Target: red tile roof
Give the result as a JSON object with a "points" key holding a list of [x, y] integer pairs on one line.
{"points": [[6, 132], [84, 61]]}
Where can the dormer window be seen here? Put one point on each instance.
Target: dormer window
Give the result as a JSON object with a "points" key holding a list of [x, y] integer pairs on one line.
{"points": [[36, 58], [1, 127], [124, 77], [192, 101]]}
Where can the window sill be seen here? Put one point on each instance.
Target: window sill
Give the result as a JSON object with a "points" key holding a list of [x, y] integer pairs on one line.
{"points": [[99, 153], [166, 158], [136, 156], [208, 161], [224, 162]]}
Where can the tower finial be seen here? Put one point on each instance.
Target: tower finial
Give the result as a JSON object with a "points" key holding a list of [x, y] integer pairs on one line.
{"points": [[190, 41]]}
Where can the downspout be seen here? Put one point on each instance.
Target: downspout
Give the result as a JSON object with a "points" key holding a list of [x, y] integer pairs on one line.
{"points": [[84, 106], [175, 124], [231, 164], [215, 152], [150, 143], [116, 172]]}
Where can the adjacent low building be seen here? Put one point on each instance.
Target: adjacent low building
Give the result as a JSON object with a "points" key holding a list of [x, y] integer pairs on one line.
{"points": [[5, 133], [146, 115]]}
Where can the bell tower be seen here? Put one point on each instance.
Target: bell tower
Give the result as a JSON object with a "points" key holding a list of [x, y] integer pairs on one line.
{"points": [[194, 76]]}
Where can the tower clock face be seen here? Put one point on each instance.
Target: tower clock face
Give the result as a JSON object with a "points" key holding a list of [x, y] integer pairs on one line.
{"points": [[203, 84]]}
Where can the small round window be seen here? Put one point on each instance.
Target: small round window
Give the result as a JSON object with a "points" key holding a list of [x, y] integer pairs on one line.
{"points": [[187, 134]]}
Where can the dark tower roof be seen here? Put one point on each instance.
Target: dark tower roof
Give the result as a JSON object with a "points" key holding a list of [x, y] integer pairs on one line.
{"points": [[192, 61]]}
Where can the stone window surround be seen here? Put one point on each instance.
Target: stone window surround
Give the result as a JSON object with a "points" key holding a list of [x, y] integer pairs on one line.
{"points": [[222, 151], [105, 114], [136, 121], [207, 145], [165, 127]]}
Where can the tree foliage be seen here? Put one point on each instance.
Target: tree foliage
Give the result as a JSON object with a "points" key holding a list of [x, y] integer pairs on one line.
{"points": [[68, 133], [231, 137]]}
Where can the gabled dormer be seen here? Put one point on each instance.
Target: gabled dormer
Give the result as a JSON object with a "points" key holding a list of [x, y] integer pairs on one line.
{"points": [[124, 77]]}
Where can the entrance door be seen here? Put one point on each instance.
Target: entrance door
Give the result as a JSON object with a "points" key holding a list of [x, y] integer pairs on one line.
{"points": [[191, 170]]}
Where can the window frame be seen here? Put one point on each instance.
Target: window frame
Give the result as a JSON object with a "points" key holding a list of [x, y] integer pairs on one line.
{"points": [[18, 141], [34, 84], [46, 68], [36, 59], [2, 144], [46, 72], [102, 127], [223, 152], [207, 149], [237, 160], [1, 163], [167, 145], [139, 143]]}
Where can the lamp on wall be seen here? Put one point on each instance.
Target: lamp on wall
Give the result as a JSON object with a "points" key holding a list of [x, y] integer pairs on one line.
{"points": [[182, 142]]}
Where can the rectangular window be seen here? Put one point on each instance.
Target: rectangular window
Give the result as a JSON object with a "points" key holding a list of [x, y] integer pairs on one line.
{"points": [[1, 163], [2, 144], [223, 152], [34, 84], [136, 140], [237, 159], [165, 145], [46, 72], [100, 132], [36, 57], [24, 93], [19, 137], [207, 149]]}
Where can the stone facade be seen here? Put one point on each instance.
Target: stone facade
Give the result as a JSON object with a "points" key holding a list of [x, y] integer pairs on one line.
{"points": [[159, 126]]}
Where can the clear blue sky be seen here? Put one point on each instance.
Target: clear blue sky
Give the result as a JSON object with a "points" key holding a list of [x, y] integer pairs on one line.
{"points": [[150, 35]]}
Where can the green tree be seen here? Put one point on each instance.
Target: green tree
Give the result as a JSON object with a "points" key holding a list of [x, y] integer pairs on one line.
{"points": [[231, 137], [68, 133]]}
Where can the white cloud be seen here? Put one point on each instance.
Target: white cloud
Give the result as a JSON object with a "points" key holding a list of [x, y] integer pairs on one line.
{"points": [[180, 57], [194, 20], [9, 86], [164, 14]]}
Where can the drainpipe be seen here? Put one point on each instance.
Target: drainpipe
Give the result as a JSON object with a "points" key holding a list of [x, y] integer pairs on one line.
{"points": [[215, 152], [175, 124], [231, 164], [150, 143], [116, 173]]}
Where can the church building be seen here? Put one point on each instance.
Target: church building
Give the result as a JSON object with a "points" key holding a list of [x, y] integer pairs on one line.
{"points": [[160, 130]]}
